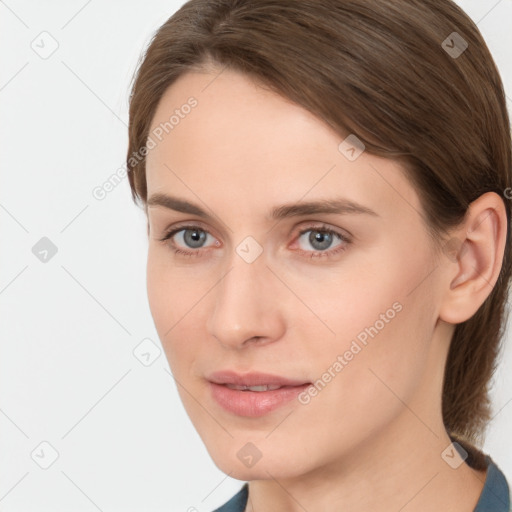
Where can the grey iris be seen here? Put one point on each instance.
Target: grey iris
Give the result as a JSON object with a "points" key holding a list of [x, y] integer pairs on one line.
{"points": [[323, 239], [194, 238]]}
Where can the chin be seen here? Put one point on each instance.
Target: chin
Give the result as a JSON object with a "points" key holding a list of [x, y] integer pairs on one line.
{"points": [[268, 463]]}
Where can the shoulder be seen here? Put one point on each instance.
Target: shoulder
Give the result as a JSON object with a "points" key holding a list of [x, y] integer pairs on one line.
{"points": [[237, 503], [496, 495]]}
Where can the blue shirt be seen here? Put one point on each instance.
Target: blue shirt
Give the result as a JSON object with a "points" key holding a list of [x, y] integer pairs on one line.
{"points": [[495, 496]]}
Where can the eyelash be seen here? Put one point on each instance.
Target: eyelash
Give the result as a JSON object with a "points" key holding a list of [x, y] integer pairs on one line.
{"points": [[311, 254]]}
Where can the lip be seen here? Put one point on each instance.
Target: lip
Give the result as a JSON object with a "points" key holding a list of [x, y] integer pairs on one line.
{"points": [[252, 379], [253, 404]]}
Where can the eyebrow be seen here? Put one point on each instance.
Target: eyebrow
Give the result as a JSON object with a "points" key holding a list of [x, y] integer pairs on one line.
{"points": [[337, 205]]}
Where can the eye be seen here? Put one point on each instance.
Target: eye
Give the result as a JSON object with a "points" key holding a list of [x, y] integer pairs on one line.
{"points": [[191, 237], [321, 238]]}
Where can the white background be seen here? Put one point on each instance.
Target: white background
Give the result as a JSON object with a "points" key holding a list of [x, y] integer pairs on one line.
{"points": [[68, 375]]}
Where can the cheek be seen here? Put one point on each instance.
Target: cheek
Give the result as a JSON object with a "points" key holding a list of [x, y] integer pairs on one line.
{"points": [[384, 338], [172, 290], [373, 379], [160, 293], [170, 298], [382, 315]]}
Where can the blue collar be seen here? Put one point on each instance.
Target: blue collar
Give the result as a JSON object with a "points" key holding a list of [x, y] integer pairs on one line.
{"points": [[495, 496]]}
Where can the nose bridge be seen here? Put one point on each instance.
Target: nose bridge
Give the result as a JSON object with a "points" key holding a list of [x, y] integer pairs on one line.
{"points": [[245, 303]]}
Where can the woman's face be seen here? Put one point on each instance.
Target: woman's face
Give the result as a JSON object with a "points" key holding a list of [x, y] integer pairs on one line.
{"points": [[251, 282]]}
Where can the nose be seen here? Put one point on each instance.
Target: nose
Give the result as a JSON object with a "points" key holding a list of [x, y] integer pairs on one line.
{"points": [[246, 305]]}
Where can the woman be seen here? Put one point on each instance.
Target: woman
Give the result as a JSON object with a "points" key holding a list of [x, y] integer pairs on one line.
{"points": [[329, 245]]}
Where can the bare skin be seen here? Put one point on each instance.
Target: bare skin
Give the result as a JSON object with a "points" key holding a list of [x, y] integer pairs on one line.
{"points": [[372, 439]]}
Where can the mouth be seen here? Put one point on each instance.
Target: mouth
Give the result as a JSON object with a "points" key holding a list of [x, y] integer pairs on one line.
{"points": [[264, 387], [253, 394], [252, 379]]}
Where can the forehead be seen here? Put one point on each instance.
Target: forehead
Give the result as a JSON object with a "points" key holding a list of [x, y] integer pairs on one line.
{"points": [[241, 139], [235, 119]]}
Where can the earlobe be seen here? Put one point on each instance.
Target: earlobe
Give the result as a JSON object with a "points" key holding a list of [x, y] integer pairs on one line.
{"points": [[474, 266]]}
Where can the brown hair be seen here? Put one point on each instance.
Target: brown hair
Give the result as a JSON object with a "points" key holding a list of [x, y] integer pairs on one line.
{"points": [[385, 71]]}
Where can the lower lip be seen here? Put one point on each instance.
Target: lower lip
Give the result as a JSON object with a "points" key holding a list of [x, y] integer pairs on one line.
{"points": [[253, 403]]}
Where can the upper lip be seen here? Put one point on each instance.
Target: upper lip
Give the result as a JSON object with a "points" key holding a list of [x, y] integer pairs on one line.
{"points": [[252, 379]]}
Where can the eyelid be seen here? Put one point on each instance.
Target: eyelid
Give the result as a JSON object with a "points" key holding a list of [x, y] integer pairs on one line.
{"points": [[186, 225], [324, 226]]}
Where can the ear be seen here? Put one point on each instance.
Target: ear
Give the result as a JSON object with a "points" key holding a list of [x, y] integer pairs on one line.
{"points": [[474, 256]]}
